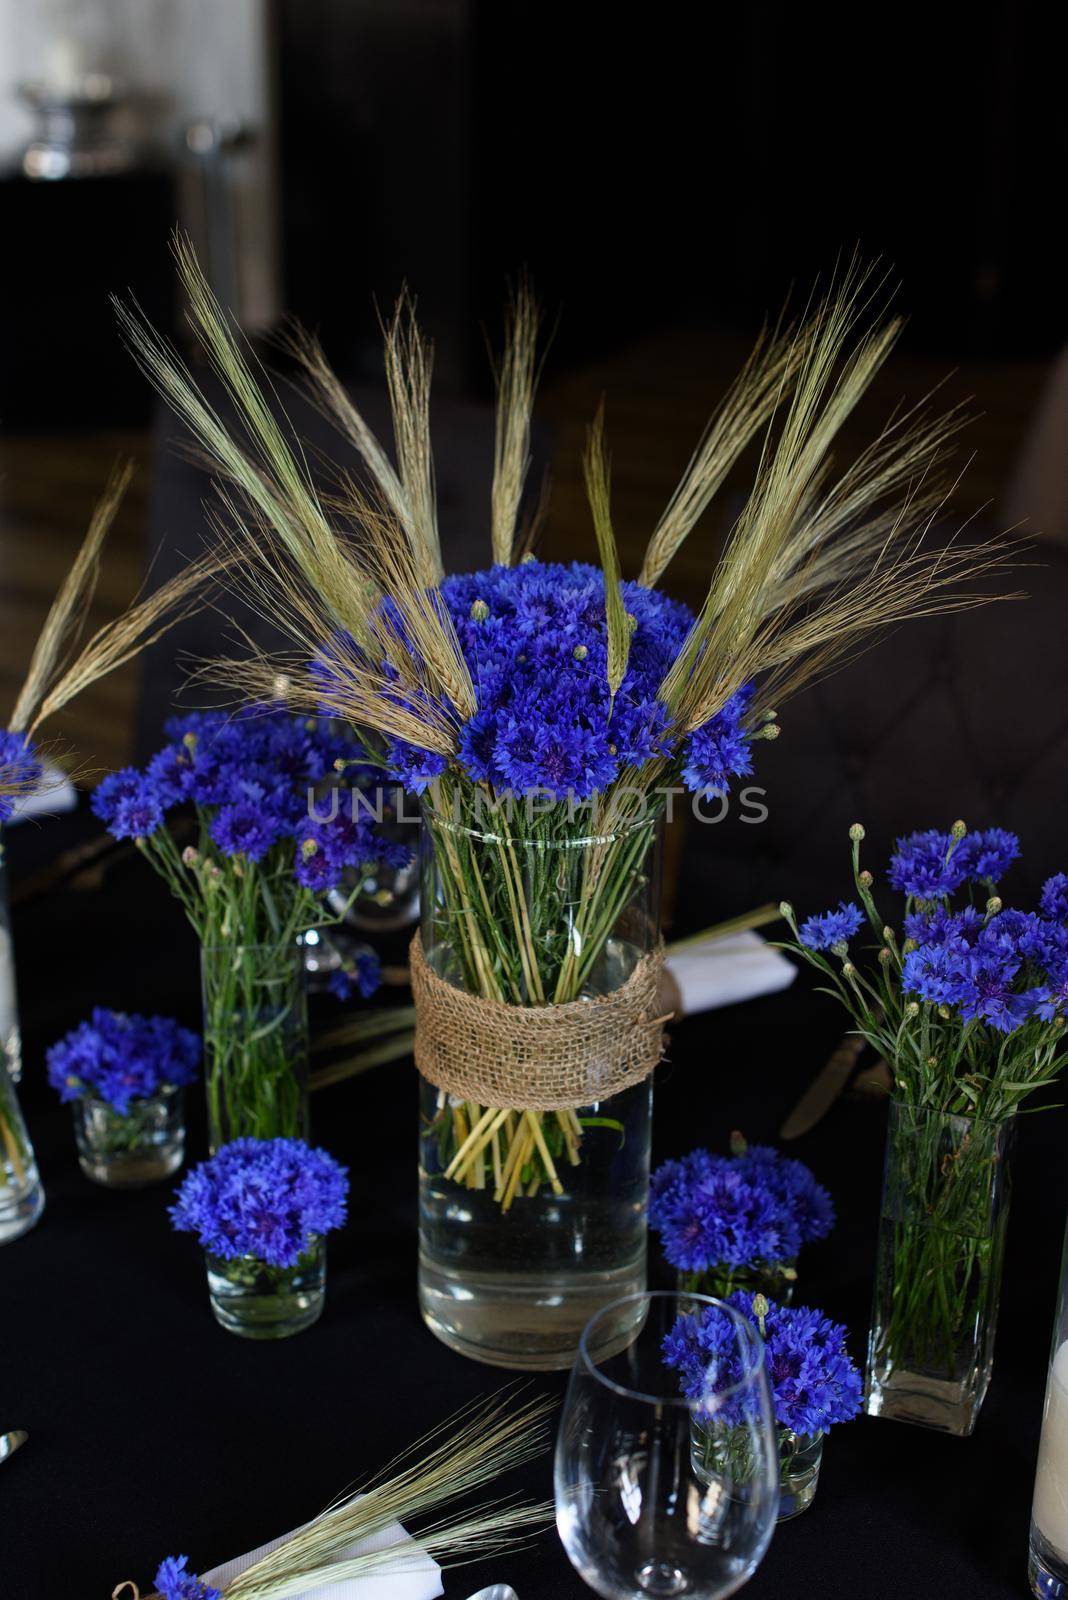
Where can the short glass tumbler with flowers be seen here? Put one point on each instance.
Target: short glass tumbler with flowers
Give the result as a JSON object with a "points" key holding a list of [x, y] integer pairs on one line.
{"points": [[124, 1077], [966, 1004], [275, 834], [814, 1385], [261, 1209], [736, 1222], [544, 712]]}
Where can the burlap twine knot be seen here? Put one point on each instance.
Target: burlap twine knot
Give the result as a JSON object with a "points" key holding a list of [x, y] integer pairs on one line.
{"points": [[536, 1058]]}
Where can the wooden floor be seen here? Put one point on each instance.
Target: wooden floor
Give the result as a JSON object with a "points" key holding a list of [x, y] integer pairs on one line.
{"points": [[659, 395]]}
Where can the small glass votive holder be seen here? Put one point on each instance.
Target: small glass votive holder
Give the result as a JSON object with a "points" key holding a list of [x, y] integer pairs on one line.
{"points": [[257, 1301], [135, 1150], [799, 1462]]}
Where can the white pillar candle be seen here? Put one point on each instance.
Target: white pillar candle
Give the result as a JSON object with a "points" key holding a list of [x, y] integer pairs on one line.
{"points": [[1050, 1509]]}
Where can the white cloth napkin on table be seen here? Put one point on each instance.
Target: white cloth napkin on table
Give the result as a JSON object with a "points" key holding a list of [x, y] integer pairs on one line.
{"points": [[54, 794], [419, 1578], [721, 972]]}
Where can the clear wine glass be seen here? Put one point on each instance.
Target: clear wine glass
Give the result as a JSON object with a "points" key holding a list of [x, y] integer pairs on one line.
{"points": [[635, 1516]]}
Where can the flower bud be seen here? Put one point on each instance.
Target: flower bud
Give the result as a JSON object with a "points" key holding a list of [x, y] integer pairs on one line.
{"points": [[912, 1009], [848, 969], [760, 1311], [739, 1144], [770, 730], [580, 652], [190, 855], [932, 1061], [786, 910], [885, 957], [632, 621], [865, 879], [993, 905], [909, 946], [528, 558], [856, 832], [479, 611], [888, 934], [189, 740], [769, 716], [308, 848], [944, 1012], [958, 830]]}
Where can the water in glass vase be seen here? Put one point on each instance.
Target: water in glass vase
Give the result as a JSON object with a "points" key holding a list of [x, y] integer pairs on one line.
{"points": [[519, 1294]]}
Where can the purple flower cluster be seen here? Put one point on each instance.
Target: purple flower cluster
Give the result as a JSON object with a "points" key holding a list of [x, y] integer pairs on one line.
{"points": [[250, 774], [175, 1582], [736, 1211], [20, 770], [535, 640], [814, 1383], [831, 930], [1001, 970], [119, 1057], [931, 864], [265, 1198]]}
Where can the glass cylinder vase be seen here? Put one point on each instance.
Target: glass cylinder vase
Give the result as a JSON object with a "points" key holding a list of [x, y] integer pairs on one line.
{"points": [[714, 1446], [258, 1301], [533, 1211], [131, 1149], [255, 1041], [1048, 1547], [21, 1192], [944, 1215]]}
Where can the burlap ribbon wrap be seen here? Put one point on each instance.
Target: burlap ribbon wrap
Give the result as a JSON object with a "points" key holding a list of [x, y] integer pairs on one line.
{"points": [[536, 1058]]}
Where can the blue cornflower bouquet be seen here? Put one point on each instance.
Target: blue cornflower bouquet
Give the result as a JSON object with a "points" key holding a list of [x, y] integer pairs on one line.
{"points": [[966, 1003], [268, 1200], [547, 711], [121, 1058], [814, 1385], [261, 1209], [967, 998], [277, 834], [737, 1222]]}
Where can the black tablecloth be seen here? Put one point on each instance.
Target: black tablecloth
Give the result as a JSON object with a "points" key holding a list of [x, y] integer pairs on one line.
{"points": [[152, 1431]]}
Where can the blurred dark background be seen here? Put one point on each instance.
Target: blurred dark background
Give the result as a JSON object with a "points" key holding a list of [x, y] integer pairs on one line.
{"points": [[669, 176]]}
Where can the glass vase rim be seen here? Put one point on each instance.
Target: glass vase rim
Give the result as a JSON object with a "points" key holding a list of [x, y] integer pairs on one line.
{"points": [[897, 1103], [164, 1091], [579, 841], [682, 1402]]}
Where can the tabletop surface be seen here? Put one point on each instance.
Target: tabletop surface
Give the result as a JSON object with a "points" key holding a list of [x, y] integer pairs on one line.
{"points": [[153, 1432]]}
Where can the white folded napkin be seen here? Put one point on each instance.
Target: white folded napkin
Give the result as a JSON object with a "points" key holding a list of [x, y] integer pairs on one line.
{"points": [[721, 972], [55, 793], [419, 1578]]}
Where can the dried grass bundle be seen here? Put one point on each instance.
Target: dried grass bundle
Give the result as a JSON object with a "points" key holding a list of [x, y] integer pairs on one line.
{"points": [[517, 378], [463, 1454], [58, 670]]}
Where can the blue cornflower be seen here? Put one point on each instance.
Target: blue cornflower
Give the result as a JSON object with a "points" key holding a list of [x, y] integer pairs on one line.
{"points": [[926, 865], [265, 1198], [1053, 901], [831, 928], [130, 804], [362, 971], [987, 854], [175, 1582], [121, 1057], [20, 770], [814, 1382], [940, 925], [735, 1211], [245, 829]]}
